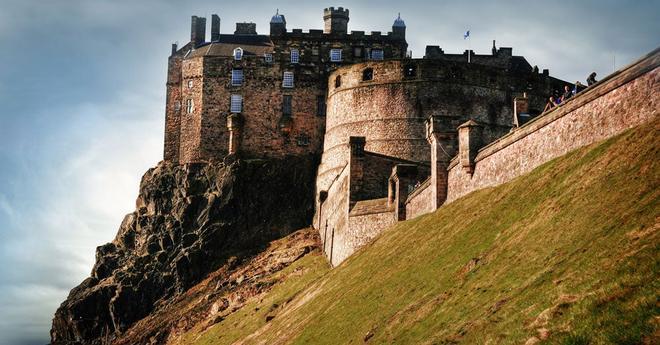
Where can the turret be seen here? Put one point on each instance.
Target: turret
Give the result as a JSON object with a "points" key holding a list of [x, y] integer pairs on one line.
{"points": [[277, 24], [215, 28], [336, 20], [399, 28], [197, 30]]}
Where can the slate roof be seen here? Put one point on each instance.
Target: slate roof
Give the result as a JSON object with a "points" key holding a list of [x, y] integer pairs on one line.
{"points": [[251, 44]]}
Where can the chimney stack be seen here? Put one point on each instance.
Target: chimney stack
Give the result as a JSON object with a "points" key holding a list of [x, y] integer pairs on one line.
{"points": [[215, 28], [197, 30]]}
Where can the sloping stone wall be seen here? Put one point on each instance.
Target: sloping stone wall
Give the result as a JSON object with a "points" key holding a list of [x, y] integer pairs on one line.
{"points": [[625, 99]]}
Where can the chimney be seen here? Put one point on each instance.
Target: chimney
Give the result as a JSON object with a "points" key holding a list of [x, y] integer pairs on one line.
{"points": [[197, 30], [246, 29], [215, 28], [336, 20], [174, 48]]}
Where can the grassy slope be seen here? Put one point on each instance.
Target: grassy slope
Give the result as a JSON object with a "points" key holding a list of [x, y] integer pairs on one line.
{"points": [[568, 252]]}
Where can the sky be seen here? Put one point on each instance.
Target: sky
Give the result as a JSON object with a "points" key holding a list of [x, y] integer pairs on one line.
{"points": [[82, 89]]}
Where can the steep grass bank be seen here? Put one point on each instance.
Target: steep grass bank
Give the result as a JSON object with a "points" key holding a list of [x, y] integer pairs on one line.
{"points": [[567, 254]]}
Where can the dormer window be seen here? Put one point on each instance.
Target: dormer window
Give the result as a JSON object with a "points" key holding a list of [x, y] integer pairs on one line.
{"points": [[295, 55], [236, 77], [377, 54], [287, 80], [238, 53], [335, 55], [268, 58]]}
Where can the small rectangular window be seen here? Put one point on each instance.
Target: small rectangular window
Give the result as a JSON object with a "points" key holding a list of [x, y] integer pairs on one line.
{"points": [[268, 57], [315, 51], [236, 103], [287, 81], [190, 106], [320, 105], [287, 105], [295, 55], [335, 55], [357, 52], [236, 77], [377, 54]]}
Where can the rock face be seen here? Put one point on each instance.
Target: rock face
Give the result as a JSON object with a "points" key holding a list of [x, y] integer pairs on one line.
{"points": [[189, 220]]}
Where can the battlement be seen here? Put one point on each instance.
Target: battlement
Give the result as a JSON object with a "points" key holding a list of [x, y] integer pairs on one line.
{"points": [[339, 12]]}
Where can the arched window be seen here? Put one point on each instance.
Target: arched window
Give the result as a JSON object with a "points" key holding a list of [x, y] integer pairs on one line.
{"points": [[338, 81], [238, 53], [367, 74]]}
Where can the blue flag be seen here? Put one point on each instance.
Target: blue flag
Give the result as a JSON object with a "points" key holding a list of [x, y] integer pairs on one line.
{"points": [[466, 34]]}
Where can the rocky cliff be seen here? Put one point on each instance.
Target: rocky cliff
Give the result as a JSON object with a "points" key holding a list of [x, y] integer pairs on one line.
{"points": [[189, 221]]}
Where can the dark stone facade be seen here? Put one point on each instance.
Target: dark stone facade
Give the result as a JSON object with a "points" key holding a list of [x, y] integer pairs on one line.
{"points": [[200, 123]]}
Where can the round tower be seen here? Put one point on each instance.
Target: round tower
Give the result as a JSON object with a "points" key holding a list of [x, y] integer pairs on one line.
{"points": [[336, 20]]}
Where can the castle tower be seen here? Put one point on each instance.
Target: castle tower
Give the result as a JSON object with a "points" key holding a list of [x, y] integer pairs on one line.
{"points": [[277, 24], [197, 30], [336, 20], [399, 28]]}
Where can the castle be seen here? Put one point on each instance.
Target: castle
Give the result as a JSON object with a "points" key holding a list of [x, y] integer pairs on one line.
{"points": [[398, 136]]}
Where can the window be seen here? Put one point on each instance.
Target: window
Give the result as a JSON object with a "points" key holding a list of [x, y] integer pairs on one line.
{"points": [[190, 84], [335, 55], [410, 71], [177, 105], [287, 81], [268, 57], [236, 77], [357, 52], [287, 105], [236, 104], [338, 81], [190, 106], [315, 51], [238, 53], [295, 55], [320, 105], [377, 54], [302, 139], [367, 74]]}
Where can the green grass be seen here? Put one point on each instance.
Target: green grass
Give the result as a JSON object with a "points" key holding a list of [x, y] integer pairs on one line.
{"points": [[568, 252]]}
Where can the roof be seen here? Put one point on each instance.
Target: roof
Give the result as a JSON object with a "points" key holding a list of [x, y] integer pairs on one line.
{"points": [[251, 44], [398, 22]]}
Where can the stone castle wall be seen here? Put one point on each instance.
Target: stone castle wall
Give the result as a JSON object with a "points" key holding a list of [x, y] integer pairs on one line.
{"points": [[390, 109], [626, 99], [192, 70], [419, 202], [332, 214]]}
